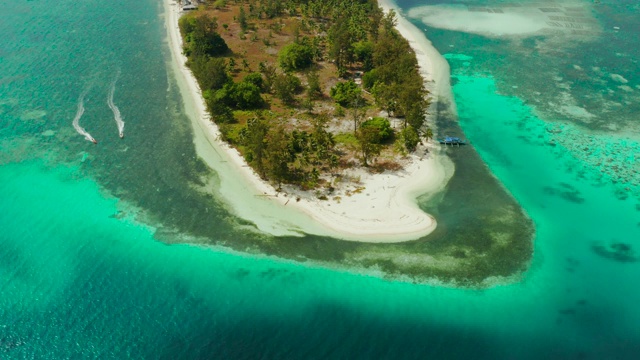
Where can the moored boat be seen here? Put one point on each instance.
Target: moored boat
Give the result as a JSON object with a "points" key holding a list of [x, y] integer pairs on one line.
{"points": [[450, 140]]}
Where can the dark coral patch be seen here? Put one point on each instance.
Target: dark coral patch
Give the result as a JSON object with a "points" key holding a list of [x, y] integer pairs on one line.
{"points": [[617, 251]]}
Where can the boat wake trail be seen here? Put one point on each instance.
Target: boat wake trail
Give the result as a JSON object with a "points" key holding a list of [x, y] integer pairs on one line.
{"points": [[116, 112], [76, 120]]}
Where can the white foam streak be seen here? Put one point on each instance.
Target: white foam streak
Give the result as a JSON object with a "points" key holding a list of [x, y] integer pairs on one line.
{"points": [[116, 112], [76, 120]]}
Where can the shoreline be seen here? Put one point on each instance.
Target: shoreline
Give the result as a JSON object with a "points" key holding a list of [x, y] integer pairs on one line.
{"points": [[385, 211], [434, 68]]}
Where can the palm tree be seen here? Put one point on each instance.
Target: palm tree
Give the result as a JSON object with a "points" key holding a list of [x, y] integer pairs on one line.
{"points": [[428, 134]]}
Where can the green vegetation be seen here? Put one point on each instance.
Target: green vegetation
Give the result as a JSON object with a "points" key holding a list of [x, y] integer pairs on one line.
{"points": [[269, 73], [219, 4], [263, 76], [346, 93], [285, 86], [242, 95], [242, 20], [363, 52], [210, 72], [382, 126], [201, 38], [410, 138], [220, 112], [310, 139], [295, 57], [255, 79], [368, 143], [348, 139], [314, 91]]}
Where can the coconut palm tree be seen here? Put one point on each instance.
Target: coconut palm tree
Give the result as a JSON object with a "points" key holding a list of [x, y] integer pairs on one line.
{"points": [[428, 134]]}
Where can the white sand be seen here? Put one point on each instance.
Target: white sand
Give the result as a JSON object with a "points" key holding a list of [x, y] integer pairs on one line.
{"points": [[509, 21], [459, 18], [385, 211]]}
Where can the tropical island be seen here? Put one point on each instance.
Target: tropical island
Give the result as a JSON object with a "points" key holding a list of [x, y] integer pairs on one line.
{"points": [[304, 90], [317, 106], [487, 237]]}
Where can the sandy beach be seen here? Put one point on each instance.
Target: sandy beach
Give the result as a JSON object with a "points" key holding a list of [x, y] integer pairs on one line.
{"points": [[383, 210], [433, 67]]}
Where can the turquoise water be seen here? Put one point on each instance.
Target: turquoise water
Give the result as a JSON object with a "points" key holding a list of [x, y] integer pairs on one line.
{"points": [[79, 282], [82, 277]]}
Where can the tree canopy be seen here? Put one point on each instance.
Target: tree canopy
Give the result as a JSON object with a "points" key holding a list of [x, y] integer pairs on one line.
{"points": [[255, 79], [200, 36], [285, 87], [295, 57], [211, 73], [242, 95], [368, 143], [345, 93], [382, 126], [316, 40]]}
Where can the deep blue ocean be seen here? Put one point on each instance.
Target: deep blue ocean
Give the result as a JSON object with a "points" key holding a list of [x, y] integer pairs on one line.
{"points": [[554, 114]]}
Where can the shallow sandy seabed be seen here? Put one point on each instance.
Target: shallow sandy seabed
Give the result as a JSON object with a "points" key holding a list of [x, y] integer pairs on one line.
{"points": [[569, 18]]}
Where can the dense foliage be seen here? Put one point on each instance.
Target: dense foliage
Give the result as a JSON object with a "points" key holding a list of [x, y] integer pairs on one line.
{"points": [[295, 57], [368, 143], [242, 95], [286, 156], [210, 72], [410, 138], [255, 79], [201, 38], [352, 37], [285, 86], [345, 93], [382, 126]]}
